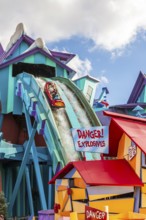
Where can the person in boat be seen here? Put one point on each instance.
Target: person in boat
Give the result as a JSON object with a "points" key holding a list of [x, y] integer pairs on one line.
{"points": [[53, 90]]}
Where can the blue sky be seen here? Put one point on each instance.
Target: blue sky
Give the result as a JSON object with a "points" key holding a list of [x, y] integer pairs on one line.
{"points": [[108, 36], [116, 72]]}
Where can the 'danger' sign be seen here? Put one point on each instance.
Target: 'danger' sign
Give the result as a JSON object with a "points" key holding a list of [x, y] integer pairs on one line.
{"points": [[93, 139], [94, 214]]}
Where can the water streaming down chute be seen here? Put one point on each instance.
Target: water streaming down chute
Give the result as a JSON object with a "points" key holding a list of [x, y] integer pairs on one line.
{"points": [[64, 129], [79, 110], [77, 106], [63, 123]]}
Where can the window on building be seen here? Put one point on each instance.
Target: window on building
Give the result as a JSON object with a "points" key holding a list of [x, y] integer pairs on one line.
{"points": [[89, 93], [38, 70]]}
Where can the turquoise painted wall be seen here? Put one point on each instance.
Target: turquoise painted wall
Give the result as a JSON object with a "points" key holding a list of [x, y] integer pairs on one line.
{"points": [[83, 84], [93, 84], [65, 74], [4, 78], [59, 71], [29, 59], [22, 47], [10, 98], [17, 103], [142, 97], [39, 58], [80, 83], [50, 62]]}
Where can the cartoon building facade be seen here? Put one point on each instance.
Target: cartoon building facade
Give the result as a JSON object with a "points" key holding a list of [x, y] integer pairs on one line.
{"points": [[35, 138], [36, 141], [84, 183], [127, 141], [97, 184]]}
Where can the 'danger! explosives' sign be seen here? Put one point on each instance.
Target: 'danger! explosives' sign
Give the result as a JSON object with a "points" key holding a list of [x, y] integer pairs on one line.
{"points": [[93, 139], [94, 214]]}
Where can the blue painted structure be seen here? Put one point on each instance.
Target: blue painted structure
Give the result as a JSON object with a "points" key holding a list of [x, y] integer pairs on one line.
{"points": [[31, 147], [87, 85], [101, 103], [136, 98]]}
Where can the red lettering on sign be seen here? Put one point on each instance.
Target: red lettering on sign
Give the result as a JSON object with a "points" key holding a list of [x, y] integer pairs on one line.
{"points": [[94, 214], [90, 134], [82, 144]]}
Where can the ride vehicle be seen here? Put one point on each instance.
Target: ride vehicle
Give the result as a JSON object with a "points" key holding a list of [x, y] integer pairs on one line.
{"points": [[50, 89]]}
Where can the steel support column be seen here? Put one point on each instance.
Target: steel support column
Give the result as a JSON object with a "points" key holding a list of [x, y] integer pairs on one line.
{"points": [[1, 120], [36, 164], [29, 191], [137, 199], [50, 188], [22, 167]]}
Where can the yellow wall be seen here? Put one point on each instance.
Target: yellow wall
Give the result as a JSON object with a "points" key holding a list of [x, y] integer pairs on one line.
{"points": [[115, 205], [144, 175], [78, 207], [78, 194], [143, 189], [124, 143]]}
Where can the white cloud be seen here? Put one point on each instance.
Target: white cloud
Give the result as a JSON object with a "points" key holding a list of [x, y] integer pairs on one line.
{"points": [[104, 79], [116, 53], [82, 67], [111, 24]]}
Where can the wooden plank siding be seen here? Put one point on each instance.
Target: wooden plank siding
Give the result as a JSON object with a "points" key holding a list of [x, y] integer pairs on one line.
{"points": [[122, 205], [143, 200], [101, 192], [78, 207], [142, 210], [78, 182], [143, 189], [144, 175], [78, 194]]}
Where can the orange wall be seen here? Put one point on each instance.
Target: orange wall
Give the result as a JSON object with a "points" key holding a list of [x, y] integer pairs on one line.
{"points": [[123, 147]]}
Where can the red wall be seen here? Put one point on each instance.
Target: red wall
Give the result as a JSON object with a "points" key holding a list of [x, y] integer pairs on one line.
{"points": [[10, 129], [13, 133]]}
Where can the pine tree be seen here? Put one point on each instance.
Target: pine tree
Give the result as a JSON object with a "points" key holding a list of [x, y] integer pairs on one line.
{"points": [[3, 205]]}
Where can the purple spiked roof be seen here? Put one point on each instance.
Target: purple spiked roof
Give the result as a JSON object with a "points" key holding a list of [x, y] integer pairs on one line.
{"points": [[62, 56], [55, 56], [138, 87], [1, 50]]}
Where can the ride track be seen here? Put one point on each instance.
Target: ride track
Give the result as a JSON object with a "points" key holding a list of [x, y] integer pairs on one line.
{"points": [[49, 122]]}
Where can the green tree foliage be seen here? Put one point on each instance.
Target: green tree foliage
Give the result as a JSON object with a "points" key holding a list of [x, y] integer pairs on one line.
{"points": [[3, 205]]}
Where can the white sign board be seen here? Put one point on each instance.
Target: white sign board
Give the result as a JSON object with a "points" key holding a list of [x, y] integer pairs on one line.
{"points": [[93, 139]]}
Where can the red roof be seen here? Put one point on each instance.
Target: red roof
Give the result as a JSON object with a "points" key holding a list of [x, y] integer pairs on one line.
{"points": [[102, 172], [134, 127]]}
